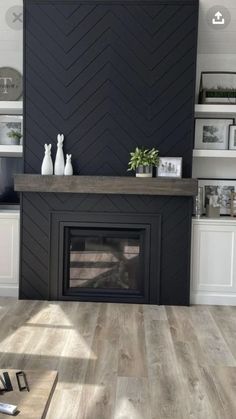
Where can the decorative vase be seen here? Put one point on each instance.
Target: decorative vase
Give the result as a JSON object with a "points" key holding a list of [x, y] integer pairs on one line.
{"points": [[68, 167], [144, 171], [59, 166], [47, 166], [199, 203], [14, 141], [212, 212], [213, 207]]}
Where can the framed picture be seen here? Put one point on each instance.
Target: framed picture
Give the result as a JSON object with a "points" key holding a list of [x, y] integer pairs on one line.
{"points": [[170, 167], [232, 137], [212, 134], [217, 87], [10, 124], [222, 188], [233, 204]]}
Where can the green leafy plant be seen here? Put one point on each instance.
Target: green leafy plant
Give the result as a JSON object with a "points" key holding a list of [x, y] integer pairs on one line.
{"points": [[16, 135], [143, 157]]}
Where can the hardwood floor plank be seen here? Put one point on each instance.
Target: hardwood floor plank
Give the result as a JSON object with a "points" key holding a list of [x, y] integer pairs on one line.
{"points": [[64, 404], [48, 339], [99, 389], [165, 379], [77, 347], [132, 353], [152, 312], [132, 398], [222, 389], [182, 330], [200, 406], [14, 336], [225, 318], [210, 338]]}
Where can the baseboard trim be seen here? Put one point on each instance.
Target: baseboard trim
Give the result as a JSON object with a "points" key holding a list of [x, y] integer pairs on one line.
{"points": [[6, 291], [213, 299]]}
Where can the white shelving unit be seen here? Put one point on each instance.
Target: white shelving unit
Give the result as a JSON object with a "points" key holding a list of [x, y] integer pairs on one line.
{"points": [[215, 153], [215, 110], [11, 150], [213, 263], [11, 108], [10, 220], [217, 164]]}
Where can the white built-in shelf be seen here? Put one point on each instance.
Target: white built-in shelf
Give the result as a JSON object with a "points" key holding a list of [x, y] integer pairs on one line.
{"points": [[11, 209], [203, 110], [11, 150], [215, 153], [222, 219], [11, 107]]}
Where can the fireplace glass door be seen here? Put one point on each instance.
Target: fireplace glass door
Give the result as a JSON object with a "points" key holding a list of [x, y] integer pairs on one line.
{"points": [[99, 260]]}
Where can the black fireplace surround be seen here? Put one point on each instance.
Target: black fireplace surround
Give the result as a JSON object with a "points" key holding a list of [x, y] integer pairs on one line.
{"points": [[110, 76], [165, 224]]}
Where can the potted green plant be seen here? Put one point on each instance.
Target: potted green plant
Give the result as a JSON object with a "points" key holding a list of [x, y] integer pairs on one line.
{"points": [[142, 161], [15, 137]]}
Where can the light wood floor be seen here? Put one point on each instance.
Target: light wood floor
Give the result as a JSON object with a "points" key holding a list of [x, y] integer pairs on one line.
{"points": [[126, 361]]}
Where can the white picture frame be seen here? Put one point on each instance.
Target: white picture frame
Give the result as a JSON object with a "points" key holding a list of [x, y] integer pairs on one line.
{"points": [[170, 167], [221, 187], [8, 123], [212, 134], [232, 137]]}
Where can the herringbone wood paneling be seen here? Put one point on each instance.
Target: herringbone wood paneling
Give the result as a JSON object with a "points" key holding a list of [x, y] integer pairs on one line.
{"points": [[110, 77]]}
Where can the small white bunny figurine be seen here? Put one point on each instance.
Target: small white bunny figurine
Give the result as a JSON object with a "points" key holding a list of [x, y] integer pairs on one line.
{"points": [[68, 168], [47, 166], [60, 161]]}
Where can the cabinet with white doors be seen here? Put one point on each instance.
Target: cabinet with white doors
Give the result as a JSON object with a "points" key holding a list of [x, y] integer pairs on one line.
{"points": [[213, 261], [9, 252]]}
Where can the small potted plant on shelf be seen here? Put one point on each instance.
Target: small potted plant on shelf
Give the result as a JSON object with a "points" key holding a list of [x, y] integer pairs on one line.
{"points": [[142, 161], [15, 137]]}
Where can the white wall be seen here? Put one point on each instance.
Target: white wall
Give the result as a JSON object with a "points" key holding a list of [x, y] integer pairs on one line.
{"points": [[216, 48], [11, 49]]}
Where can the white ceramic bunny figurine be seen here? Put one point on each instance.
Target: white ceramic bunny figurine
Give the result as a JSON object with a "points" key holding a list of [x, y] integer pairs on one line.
{"points": [[60, 161], [47, 166], [68, 168]]}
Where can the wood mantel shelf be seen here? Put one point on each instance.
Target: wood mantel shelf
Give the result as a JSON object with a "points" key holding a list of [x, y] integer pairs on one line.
{"points": [[106, 185]]}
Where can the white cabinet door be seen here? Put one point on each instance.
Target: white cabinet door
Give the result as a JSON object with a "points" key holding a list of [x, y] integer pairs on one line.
{"points": [[9, 254], [213, 263]]}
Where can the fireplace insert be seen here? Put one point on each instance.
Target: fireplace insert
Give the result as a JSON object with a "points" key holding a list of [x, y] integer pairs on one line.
{"points": [[110, 260]]}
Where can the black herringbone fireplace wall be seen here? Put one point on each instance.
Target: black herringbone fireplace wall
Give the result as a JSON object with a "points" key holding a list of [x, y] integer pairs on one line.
{"points": [[109, 75], [175, 221]]}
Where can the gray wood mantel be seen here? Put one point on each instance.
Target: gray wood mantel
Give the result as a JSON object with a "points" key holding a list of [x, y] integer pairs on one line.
{"points": [[106, 185]]}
